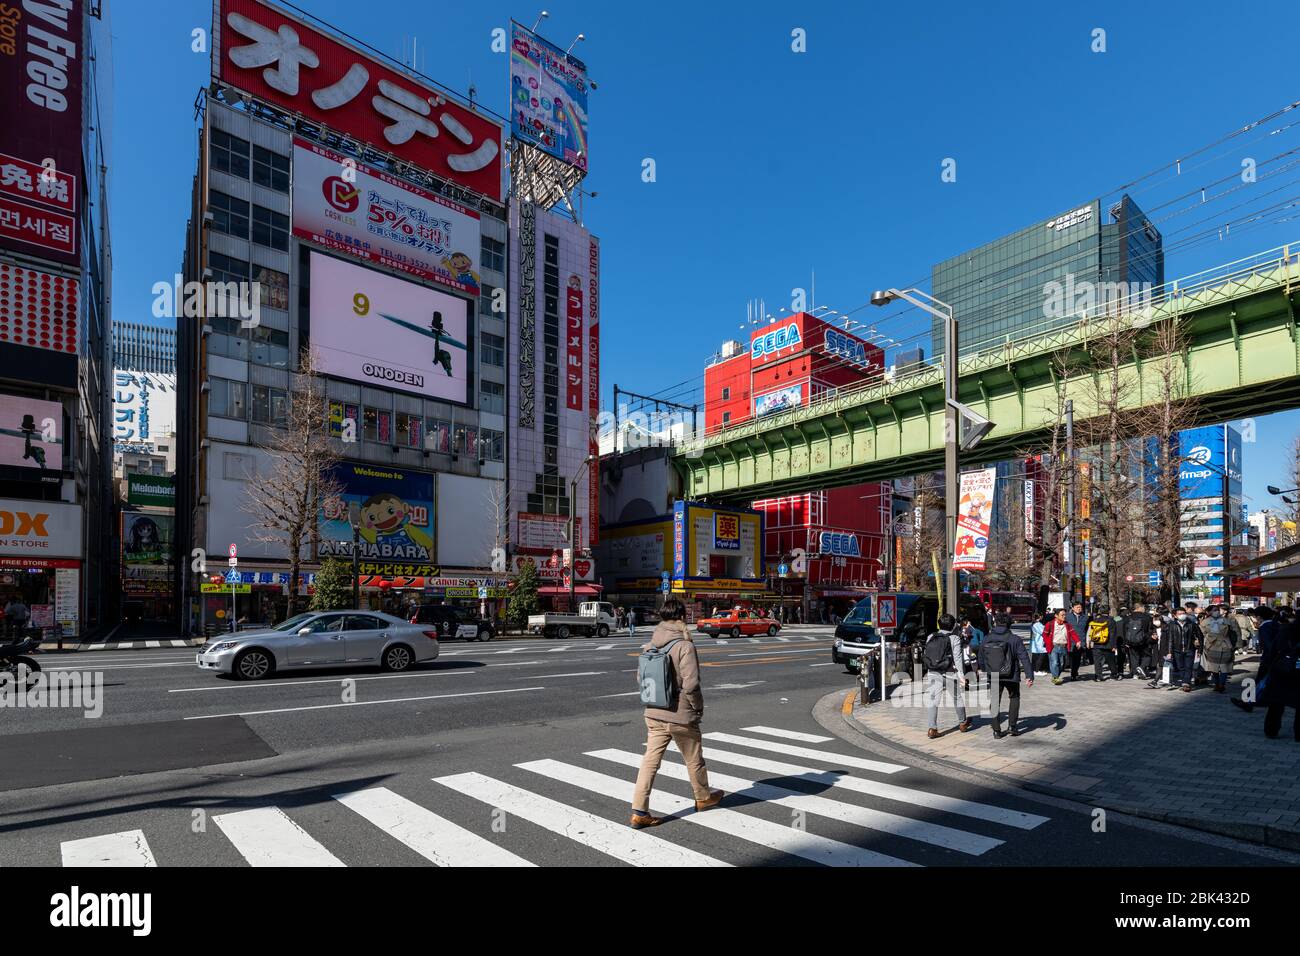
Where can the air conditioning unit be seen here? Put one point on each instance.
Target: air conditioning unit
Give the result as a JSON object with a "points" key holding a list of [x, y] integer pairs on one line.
{"points": [[731, 348], [207, 215]]}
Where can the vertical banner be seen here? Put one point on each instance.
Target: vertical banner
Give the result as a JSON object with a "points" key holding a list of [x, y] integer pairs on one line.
{"points": [[974, 516], [573, 316], [593, 390]]}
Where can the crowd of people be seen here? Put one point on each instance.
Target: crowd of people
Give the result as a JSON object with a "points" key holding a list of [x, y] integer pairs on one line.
{"points": [[1176, 648]]}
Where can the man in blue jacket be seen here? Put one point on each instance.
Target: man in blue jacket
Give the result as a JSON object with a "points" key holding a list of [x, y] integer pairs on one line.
{"points": [[1003, 657], [1078, 619]]}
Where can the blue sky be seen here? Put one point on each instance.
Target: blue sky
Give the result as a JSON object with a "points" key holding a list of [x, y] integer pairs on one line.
{"points": [[771, 164]]}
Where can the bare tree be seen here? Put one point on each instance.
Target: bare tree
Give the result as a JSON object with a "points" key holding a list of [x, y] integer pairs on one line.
{"points": [[927, 535], [285, 501], [1055, 474]]}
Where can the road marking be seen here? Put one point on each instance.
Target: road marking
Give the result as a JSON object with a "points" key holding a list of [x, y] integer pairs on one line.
{"points": [[255, 685], [786, 639], [152, 644], [631, 693], [756, 660], [774, 836], [267, 837], [859, 763], [827, 664], [117, 667], [613, 839], [428, 834], [545, 676], [363, 703], [752, 683], [128, 848], [810, 637], [605, 647], [790, 734], [934, 834], [779, 653], [919, 798]]}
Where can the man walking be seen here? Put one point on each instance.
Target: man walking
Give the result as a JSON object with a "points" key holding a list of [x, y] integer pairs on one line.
{"points": [[1059, 639], [1003, 657], [1179, 648], [679, 722], [16, 615], [942, 657], [1079, 620], [1101, 644], [1137, 639]]}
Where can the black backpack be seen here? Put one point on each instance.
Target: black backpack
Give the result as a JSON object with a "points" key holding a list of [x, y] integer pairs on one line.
{"points": [[998, 658], [938, 652], [1135, 633], [1285, 670]]}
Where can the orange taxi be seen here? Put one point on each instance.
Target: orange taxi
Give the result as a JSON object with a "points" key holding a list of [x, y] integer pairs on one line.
{"points": [[738, 622]]}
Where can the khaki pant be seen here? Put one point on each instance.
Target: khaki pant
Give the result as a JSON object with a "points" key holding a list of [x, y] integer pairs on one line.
{"points": [[687, 738]]}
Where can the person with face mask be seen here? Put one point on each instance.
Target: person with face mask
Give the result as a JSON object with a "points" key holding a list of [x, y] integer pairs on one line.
{"points": [[1220, 635], [1179, 646]]}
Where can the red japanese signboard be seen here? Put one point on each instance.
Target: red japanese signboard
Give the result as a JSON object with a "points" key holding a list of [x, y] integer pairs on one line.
{"points": [[280, 59], [41, 61], [573, 342]]}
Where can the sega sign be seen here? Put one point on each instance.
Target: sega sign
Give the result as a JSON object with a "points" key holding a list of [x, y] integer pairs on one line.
{"points": [[844, 545], [840, 344], [772, 342]]}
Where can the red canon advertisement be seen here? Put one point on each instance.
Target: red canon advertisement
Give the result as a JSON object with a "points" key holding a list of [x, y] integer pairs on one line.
{"points": [[280, 59], [40, 136]]}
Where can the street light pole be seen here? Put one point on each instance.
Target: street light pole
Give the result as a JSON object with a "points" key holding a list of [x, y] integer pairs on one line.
{"points": [[354, 513], [952, 423], [573, 524]]}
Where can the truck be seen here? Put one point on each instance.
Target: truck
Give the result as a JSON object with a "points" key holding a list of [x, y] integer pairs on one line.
{"points": [[594, 619]]}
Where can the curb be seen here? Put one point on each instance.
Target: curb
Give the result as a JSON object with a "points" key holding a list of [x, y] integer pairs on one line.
{"points": [[164, 643], [1260, 833]]}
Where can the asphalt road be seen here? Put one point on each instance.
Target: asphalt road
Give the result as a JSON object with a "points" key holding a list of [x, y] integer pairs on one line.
{"points": [[519, 752]]}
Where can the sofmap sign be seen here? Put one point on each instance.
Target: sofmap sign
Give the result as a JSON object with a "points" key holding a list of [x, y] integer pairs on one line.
{"points": [[281, 59], [1206, 453], [772, 342], [41, 62], [39, 529], [548, 97], [374, 328], [368, 214]]}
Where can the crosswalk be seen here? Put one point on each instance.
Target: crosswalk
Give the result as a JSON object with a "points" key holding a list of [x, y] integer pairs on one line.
{"points": [[830, 808]]}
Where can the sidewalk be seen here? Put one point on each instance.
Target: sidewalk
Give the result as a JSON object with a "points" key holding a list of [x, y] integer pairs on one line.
{"points": [[125, 645], [1189, 759]]}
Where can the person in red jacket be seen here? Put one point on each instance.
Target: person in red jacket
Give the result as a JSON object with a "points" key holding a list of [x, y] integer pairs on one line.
{"points": [[1060, 639]]}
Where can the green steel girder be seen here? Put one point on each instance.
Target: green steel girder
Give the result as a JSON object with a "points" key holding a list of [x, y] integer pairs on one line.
{"points": [[1241, 356]]}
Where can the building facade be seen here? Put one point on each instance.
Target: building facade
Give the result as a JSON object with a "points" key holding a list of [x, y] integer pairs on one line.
{"points": [[1209, 481], [1047, 275], [57, 539]]}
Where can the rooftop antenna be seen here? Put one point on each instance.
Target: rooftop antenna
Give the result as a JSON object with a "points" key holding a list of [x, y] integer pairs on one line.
{"points": [[540, 17]]}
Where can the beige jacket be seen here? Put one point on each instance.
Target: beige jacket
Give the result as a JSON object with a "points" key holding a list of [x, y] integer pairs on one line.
{"points": [[689, 706]]}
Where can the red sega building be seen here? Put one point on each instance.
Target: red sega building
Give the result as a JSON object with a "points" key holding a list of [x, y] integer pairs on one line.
{"points": [[842, 531]]}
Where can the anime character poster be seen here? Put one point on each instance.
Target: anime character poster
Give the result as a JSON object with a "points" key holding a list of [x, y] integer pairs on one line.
{"points": [[146, 539], [392, 511], [974, 517]]}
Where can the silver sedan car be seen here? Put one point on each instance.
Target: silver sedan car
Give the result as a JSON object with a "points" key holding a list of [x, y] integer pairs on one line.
{"points": [[321, 639]]}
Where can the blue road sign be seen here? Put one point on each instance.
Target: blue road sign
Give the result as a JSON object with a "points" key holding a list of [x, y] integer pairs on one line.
{"points": [[783, 569], [232, 576], [1153, 579]]}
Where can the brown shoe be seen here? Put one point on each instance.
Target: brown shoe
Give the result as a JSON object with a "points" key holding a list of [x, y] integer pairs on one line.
{"points": [[964, 725], [642, 820], [932, 733], [713, 800]]}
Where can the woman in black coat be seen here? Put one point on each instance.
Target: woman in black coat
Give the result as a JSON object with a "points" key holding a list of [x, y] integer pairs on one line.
{"points": [[1278, 691]]}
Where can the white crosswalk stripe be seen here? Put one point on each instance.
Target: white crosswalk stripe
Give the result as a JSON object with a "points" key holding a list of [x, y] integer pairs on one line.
{"points": [[774, 836], [790, 734], [555, 797], [908, 795], [860, 763], [428, 834], [932, 833], [128, 848], [613, 839], [267, 837]]}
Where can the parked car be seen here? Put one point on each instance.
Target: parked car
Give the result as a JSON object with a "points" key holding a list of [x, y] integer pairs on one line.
{"points": [[321, 639], [451, 621], [918, 616], [736, 623]]}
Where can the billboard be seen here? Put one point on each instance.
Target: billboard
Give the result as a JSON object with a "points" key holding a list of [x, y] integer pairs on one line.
{"points": [[147, 540], [471, 520], [282, 60], [39, 309], [974, 516], [548, 97], [374, 328], [393, 511], [366, 213], [154, 491], [41, 65], [144, 409], [781, 400], [39, 529], [31, 433], [1205, 454], [716, 547]]}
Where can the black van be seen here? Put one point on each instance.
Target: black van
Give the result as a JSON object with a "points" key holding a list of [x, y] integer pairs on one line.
{"points": [[451, 621], [918, 616]]}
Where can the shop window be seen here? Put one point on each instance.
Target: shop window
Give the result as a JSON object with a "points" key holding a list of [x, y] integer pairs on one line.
{"points": [[377, 425], [410, 430], [438, 436], [270, 228]]}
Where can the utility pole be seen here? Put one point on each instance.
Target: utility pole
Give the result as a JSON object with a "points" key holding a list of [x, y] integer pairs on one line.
{"points": [[1070, 557]]}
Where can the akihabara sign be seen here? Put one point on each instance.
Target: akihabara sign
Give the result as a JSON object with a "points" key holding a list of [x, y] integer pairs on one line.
{"points": [[40, 138], [279, 58], [366, 213]]}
